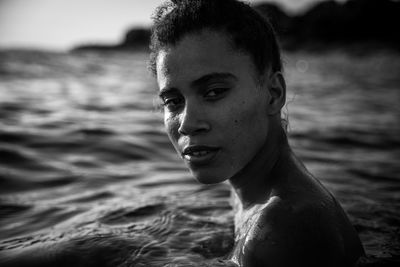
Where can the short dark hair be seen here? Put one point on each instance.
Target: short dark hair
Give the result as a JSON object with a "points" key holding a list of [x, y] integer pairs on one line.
{"points": [[248, 30]]}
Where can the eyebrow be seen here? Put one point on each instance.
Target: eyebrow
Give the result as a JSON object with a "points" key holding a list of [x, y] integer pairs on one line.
{"points": [[166, 91], [201, 81], [212, 76]]}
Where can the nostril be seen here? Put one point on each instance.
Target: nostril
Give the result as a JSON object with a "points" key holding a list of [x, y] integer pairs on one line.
{"points": [[182, 131], [192, 131], [193, 127]]}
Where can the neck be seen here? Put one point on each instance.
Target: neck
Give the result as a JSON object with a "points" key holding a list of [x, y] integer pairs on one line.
{"points": [[254, 183]]}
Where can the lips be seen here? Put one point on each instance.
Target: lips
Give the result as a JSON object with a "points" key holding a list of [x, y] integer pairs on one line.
{"points": [[199, 154]]}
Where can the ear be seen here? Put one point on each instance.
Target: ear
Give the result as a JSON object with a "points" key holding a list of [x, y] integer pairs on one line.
{"points": [[277, 91]]}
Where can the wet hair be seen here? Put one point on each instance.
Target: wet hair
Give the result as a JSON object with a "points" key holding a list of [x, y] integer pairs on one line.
{"points": [[248, 31]]}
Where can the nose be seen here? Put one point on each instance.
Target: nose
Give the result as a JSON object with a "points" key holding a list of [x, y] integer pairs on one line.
{"points": [[193, 121]]}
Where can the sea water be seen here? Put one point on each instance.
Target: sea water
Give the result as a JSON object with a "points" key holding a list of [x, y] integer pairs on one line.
{"points": [[88, 177]]}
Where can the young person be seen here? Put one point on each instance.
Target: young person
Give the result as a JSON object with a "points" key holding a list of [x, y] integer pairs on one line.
{"points": [[219, 72]]}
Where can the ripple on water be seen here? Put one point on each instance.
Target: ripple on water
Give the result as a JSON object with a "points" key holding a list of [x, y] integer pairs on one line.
{"points": [[102, 250], [38, 219], [14, 137], [16, 157], [89, 132], [8, 210], [130, 215], [91, 197]]}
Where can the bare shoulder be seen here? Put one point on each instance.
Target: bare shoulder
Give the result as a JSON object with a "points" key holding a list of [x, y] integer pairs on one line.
{"points": [[295, 233]]}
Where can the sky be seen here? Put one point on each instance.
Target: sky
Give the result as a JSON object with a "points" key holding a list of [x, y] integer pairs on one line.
{"points": [[63, 24]]}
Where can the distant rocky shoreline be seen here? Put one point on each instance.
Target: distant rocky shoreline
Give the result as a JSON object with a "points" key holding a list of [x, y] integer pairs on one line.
{"points": [[135, 40], [355, 25]]}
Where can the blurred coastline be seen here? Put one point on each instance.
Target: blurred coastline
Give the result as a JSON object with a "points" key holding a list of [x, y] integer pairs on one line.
{"points": [[357, 26]]}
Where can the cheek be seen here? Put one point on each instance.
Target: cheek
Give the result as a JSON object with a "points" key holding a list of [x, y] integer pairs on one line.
{"points": [[171, 124], [248, 125], [244, 116]]}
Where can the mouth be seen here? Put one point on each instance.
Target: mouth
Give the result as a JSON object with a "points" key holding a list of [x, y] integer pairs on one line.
{"points": [[197, 154]]}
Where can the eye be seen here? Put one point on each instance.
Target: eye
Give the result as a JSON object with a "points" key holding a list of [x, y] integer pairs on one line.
{"points": [[172, 103], [215, 93]]}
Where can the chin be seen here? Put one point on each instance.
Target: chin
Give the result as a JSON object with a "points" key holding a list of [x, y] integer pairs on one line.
{"points": [[208, 178]]}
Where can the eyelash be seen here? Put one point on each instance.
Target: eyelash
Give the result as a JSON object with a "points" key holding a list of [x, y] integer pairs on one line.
{"points": [[218, 92], [169, 102]]}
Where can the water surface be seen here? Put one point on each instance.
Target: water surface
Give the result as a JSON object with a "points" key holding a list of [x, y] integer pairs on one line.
{"points": [[88, 177]]}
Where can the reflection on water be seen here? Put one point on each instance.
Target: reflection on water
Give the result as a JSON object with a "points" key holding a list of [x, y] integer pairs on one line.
{"points": [[86, 171]]}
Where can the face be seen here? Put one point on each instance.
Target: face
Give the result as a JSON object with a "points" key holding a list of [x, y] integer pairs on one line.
{"points": [[215, 110]]}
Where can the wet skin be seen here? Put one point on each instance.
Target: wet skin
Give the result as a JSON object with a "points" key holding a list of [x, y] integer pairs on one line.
{"points": [[223, 118]]}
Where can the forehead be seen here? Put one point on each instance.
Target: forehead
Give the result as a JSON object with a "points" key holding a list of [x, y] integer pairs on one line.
{"points": [[199, 54]]}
